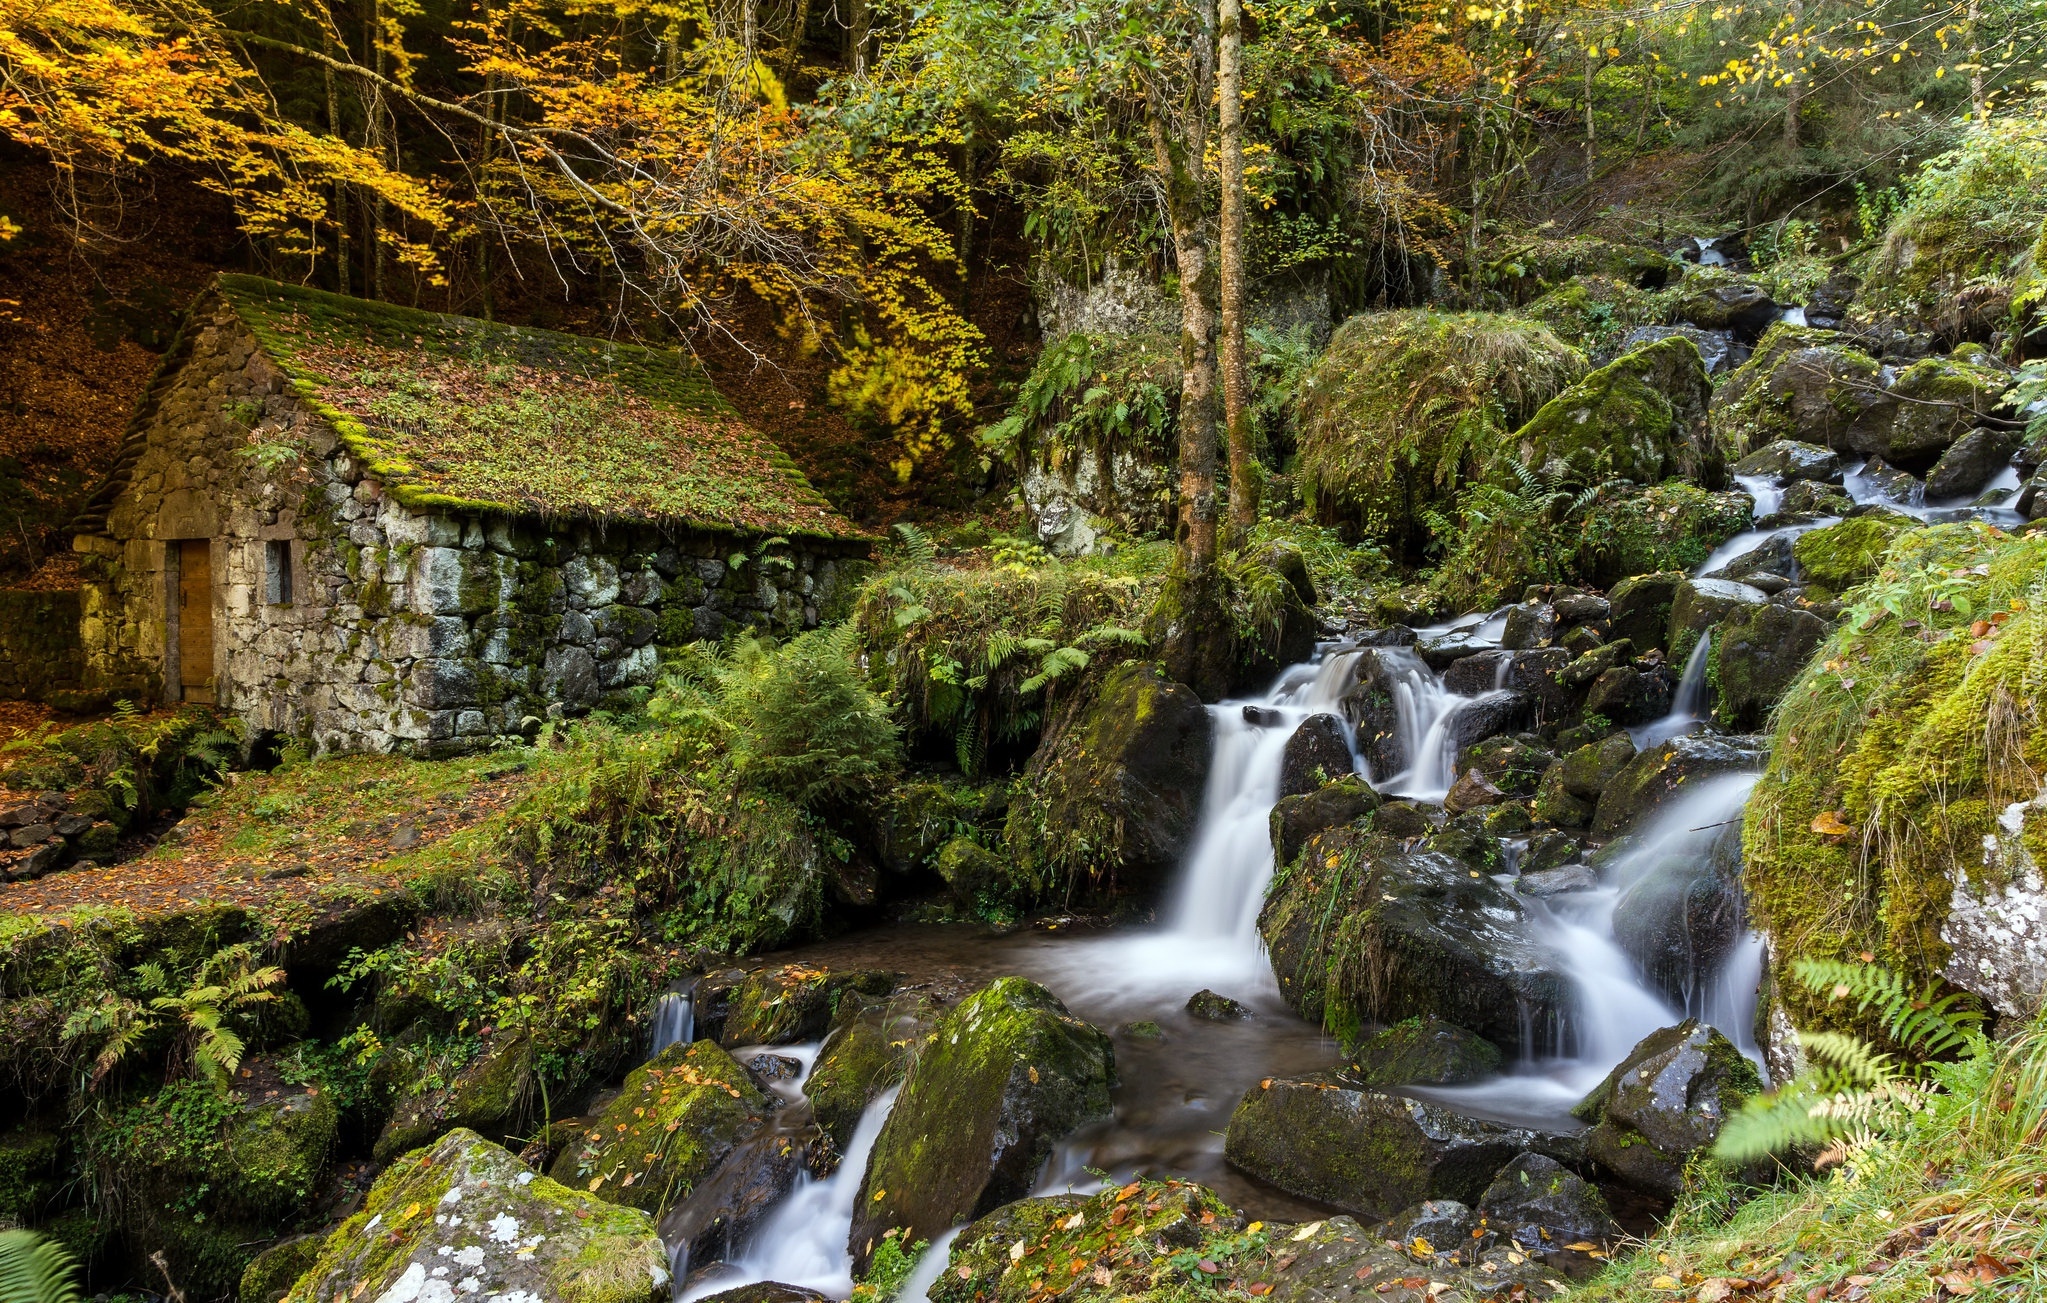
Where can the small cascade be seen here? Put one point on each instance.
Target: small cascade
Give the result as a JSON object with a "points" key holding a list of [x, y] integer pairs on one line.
{"points": [[1425, 712], [1709, 252], [1687, 707], [1792, 316], [675, 1021], [917, 1287], [803, 1241]]}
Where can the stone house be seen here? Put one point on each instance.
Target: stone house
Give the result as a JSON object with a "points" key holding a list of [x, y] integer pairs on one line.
{"points": [[375, 528]]}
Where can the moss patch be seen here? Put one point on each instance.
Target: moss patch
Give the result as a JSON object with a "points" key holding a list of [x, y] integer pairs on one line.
{"points": [[1640, 418], [671, 1123], [1841, 556]]}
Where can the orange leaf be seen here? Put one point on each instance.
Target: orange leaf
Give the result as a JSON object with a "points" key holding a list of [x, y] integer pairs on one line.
{"points": [[1829, 823]]}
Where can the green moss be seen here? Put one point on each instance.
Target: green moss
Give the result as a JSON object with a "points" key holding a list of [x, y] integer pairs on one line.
{"points": [[1637, 418], [30, 1173], [271, 1273], [1841, 556], [1594, 312], [455, 414], [1912, 739], [1671, 526], [1753, 405], [672, 1121], [1405, 408]]}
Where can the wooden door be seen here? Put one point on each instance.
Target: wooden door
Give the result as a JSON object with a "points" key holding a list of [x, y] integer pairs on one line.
{"points": [[195, 619]]}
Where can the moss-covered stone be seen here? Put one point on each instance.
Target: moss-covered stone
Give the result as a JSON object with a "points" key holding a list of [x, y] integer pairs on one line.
{"points": [[1595, 311], [1664, 1103], [1585, 772], [794, 1002], [465, 1217], [1659, 773], [1004, 1075], [271, 1273], [914, 819], [1641, 417], [1804, 385], [1295, 819], [1111, 797], [1422, 1052], [1840, 556], [1672, 526], [1757, 652], [1640, 608], [977, 877], [1554, 803], [676, 1117], [487, 1096], [868, 1051]]}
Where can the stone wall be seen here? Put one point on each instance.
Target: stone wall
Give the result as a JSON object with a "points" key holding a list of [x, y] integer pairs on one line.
{"points": [[40, 656], [406, 630]]}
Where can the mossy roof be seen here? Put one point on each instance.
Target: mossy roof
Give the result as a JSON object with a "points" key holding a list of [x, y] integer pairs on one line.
{"points": [[453, 413]]}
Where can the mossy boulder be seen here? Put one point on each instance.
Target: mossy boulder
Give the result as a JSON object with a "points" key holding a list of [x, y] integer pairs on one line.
{"points": [[271, 1273], [1111, 796], [1422, 1052], [1838, 557], [488, 1097], [1665, 1102], [1973, 461], [1317, 753], [1365, 1151], [465, 1217], [1628, 696], [1640, 608], [1539, 1204], [675, 1119], [794, 1002], [1658, 774], [1510, 765], [1758, 652], [1404, 409], [1595, 312], [1640, 417], [1295, 819], [1803, 385], [1554, 804], [1004, 1075], [1713, 299], [1363, 932], [1672, 526], [977, 877], [867, 1051], [1788, 460], [1700, 604], [913, 820]]}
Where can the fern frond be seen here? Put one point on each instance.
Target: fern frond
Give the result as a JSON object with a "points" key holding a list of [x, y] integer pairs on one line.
{"points": [[35, 1270]]}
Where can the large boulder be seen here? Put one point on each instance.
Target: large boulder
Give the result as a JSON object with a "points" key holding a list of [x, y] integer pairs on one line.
{"points": [[678, 1116], [1699, 604], [1802, 384], [1318, 752], [1363, 931], [1641, 608], [793, 1002], [1658, 774], [1006, 1073], [1641, 417], [1627, 696], [1588, 770], [1534, 674], [1629, 530], [1422, 1052], [1365, 1151], [1111, 797], [1372, 704], [487, 1096], [1759, 651], [465, 1218], [1788, 460], [1665, 1102], [1509, 765], [1714, 300], [1975, 459], [1295, 819], [1679, 917], [1939, 400], [1840, 556], [867, 1052]]}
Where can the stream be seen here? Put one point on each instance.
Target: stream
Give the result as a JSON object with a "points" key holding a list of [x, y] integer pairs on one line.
{"points": [[1176, 1090]]}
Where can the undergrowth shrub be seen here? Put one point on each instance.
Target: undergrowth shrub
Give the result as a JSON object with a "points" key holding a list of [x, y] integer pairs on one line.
{"points": [[130, 765], [1895, 751], [1406, 408]]}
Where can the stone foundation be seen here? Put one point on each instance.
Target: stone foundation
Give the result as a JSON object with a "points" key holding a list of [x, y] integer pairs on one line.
{"points": [[40, 655]]}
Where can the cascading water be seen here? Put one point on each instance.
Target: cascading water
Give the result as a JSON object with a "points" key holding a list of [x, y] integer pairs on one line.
{"points": [[1688, 706], [674, 1021]]}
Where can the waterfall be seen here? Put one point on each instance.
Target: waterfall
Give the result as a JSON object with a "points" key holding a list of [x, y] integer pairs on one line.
{"points": [[1687, 708], [675, 1021]]}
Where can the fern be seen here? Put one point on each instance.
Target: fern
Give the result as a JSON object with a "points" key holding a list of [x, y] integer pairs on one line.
{"points": [[35, 1270], [917, 545], [1922, 1023]]}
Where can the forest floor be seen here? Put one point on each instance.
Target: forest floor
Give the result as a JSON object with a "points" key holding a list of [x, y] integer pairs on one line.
{"points": [[366, 821]]}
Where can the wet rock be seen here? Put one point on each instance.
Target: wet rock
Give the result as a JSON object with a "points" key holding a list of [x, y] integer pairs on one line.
{"points": [[1665, 1102], [1581, 640], [496, 1230], [1534, 674], [1007, 1073], [1436, 1222], [1681, 918], [1760, 651], [1423, 935], [1974, 460], [1556, 882], [1121, 775], [712, 998], [1582, 672], [1659, 773], [1641, 608], [1787, 460], [1627, 696], [1443, 652], [1511, 766], [1740, 306], [1891, 484], [1401, 819], [866, 1052], [631, 1154], [1827, 306], [1529, 625], [1340, 1261], [781, 1006], [1547, 850], [1590, 768], [767, 1291], [1841, 556], [1263, 717], [1318, 751], [1539, 1204], [1371, 706], [1716, 347], [1506, 819], [1422, 1052], [1641, 417], [1471, 792], [716, 1214], [1210, 1006], [1553, 804], [484, 1097], [1699, 604], [1940, 399], [1575, 610], [1362, 1150], [1295, 819], [974, 874], [1489, 715], [768, 1068], [1806, 500], [1772, 555], [1470, 845]]}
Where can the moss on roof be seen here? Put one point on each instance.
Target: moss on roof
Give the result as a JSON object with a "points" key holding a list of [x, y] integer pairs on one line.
{"points": [[452, 413]]}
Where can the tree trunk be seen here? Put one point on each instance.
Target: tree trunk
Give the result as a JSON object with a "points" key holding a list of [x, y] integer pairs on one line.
{"points": [[1978, 104], [1796, 91], [340, 189], [1177, 168], [1236, 374], [1591, 126]]}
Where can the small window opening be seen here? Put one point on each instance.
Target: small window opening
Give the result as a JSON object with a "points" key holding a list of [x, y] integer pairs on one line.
{"points": [[277, 572]]}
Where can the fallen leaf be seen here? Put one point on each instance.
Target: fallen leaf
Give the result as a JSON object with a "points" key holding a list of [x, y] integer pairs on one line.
{"points": [[1829, 823], [1207, 1265], [1420, 1247], [1307, 1230], [1664, 1282], [1714, 1289]]}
